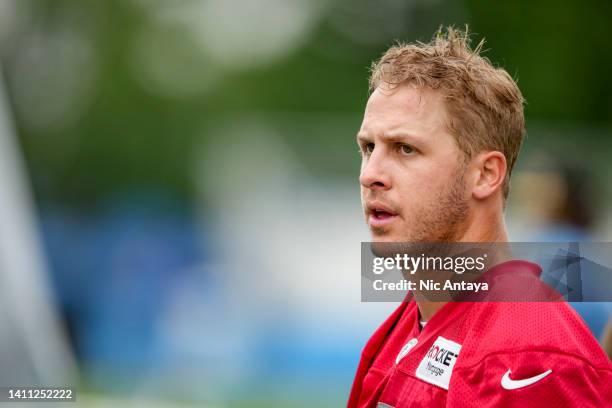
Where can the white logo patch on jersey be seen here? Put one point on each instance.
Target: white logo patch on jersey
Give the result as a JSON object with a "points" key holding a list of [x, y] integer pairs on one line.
{"points": [[437, 366]]}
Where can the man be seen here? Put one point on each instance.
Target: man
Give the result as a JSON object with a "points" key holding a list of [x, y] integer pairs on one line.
{"points": [[441, 133]]}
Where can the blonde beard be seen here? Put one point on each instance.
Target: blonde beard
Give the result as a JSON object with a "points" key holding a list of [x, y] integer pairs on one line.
{"points": [[443, 219]]}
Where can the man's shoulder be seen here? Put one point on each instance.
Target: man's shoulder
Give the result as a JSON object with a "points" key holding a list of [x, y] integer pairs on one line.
{"points": [[532, 376], [553, 328]]}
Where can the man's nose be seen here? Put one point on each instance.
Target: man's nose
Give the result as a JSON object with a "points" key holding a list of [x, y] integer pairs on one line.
{"points": [[374, 175]]}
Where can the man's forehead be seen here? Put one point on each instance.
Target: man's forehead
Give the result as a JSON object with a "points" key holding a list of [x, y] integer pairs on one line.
{"points": [[404, 96], [404, 104]]}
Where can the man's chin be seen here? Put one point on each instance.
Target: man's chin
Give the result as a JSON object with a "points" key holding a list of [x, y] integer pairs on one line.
{"points": [[379, 235], [385, 239], [380, 238], [389, 245], [388, 235]]}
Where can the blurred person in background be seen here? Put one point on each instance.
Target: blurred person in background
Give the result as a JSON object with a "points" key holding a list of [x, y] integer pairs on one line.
{"points": [[558, 197], [440, 135]]}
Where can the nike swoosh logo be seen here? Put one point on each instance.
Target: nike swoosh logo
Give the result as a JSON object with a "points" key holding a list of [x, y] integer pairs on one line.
{"points": [[510, 384]]}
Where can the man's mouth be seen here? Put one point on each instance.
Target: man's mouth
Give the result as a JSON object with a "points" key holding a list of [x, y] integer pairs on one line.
{"points": [[380, 216]]}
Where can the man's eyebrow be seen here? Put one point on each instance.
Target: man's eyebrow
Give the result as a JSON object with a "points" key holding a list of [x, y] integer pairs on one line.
{"points": [[396, 136], [362, 137]]}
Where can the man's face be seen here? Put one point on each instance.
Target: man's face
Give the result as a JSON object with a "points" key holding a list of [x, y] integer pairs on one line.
{"points": [[412, 184]]}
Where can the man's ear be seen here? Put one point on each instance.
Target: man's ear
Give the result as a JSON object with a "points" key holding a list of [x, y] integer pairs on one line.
{"points": [[490, 169]]}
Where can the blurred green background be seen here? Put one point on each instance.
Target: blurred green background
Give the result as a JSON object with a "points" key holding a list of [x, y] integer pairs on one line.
{"points": [[189, 158], [109, 95]]}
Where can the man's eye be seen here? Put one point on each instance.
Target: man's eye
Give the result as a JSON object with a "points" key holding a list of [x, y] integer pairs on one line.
{"points": [[368, 148], [406, 149]]}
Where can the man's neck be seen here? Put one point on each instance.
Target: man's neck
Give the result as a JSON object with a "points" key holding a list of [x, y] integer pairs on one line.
{"points": [[495, 231], [427, 309]]}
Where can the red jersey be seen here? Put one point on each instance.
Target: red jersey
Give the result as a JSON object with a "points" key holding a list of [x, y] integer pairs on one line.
{"points": [[484, 354]]}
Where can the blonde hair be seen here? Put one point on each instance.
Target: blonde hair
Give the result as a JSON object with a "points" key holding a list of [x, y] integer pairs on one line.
{"points": [[484, 103]]}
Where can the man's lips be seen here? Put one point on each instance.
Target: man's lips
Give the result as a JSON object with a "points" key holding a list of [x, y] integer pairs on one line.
{"points": [[380, 215]]}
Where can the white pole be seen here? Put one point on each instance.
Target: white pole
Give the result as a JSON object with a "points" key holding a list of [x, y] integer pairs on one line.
{"points": [[24, 283]]}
